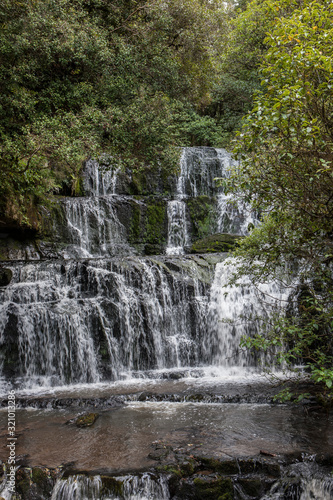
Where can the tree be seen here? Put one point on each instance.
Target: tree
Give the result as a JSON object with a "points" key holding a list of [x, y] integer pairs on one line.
{"points": [[82, 77], [285, 148]]}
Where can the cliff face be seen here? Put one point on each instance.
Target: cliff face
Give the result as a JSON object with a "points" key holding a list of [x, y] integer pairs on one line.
{"points": [[121, 213]]}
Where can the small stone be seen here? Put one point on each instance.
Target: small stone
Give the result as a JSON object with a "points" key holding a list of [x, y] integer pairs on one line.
{"points": [[87, 420]]}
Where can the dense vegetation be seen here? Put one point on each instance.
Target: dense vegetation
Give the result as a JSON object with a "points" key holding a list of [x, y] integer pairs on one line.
{"points": [[131, 79], [285, 148]]}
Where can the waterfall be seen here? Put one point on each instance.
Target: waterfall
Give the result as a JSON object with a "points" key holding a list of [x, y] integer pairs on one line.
{"points": [[79, 322], [311, 484], [93, 222], [96, 320], [121, 316], [200, 169], [141, 487], [232, 217], [99, 180], [95, 227], [177, 222], [177, 228], [77, 487], [239, 311]]}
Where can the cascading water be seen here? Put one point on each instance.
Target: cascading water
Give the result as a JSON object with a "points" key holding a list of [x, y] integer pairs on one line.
{"points": [[99, 181], [233, 217], [240, 311], [108, 319], [79, 322], [139, 487], [200, 169], [93, 223], [177, 220], [177, 228], [87, 321]]}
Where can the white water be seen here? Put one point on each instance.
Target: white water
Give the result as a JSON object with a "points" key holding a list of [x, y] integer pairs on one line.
{"points": [[240, 311], [141, 487], [178, 236], [78, 322], [200, 171]]}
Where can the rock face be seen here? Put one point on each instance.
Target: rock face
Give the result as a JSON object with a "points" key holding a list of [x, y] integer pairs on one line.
{"points": [[186, 478], [215, 243], [5, 276], [125, 214]]}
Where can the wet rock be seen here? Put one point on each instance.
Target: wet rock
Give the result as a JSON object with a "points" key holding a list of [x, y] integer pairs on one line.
{"points": [[220, 242], [160, 451], [247, 466], [42, 481], [212, 489], [87, 420], [325, 459], [252, 486], [111, 485], [22, 482], [227, 467], [5, 276], [270, 468]]}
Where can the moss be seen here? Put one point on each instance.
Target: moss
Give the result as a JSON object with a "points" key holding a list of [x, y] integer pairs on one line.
{"points": [[78, 186], [220, 242], [251, 486], [202, 210], [156, 222], [212, 490], [87, 420], [23, 486], [247, 466], [222, 467], [39, 476], [135, 229], [170, 469], [42, 480]]}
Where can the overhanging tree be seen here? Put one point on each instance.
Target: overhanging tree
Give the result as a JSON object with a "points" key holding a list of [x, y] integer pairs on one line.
{"points": [[286, 153]]}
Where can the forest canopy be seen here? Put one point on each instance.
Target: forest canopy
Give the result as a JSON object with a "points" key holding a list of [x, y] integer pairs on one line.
{"points": [[131, 79]]}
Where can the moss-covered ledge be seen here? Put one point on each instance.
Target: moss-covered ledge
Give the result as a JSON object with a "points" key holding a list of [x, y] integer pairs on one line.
{"points": [[220, 242]]}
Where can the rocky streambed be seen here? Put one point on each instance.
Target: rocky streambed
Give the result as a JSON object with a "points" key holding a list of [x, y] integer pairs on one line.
{"points": [[170, 439]]}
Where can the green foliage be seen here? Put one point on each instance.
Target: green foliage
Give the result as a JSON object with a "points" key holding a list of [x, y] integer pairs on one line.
{"points": [[82, 77], [285, 148]]}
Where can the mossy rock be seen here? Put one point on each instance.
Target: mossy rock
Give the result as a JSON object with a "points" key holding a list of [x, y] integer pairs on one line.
{"points": [[38, 476], [87, 420], [153, 249], [228, 467], [202, 211], [252, 486], [217, 489], [157, 222], [42, 480], [220, 242], [22, 487]]}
